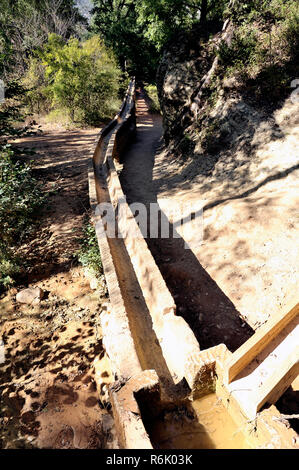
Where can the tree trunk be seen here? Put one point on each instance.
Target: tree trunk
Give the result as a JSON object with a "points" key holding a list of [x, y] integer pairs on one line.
{"points": [[203, 12]]}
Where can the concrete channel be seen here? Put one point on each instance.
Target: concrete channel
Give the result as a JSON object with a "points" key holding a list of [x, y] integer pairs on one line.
{"points": [[168, 393]]}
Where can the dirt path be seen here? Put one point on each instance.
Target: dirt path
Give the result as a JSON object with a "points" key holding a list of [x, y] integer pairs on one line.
{"points": [[209, 312], [50, 397], [247, 266], [250, 195]]}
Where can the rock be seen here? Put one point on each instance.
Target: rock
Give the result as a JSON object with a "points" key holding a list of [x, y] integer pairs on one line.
{"points": [[107, 423], [2, 351], [32, 295], [94, 284]]}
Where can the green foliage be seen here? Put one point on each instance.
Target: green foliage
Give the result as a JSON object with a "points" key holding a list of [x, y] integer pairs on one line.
{"points": [[152, 93], [25, 25], [20, 198], [291, 29], [89, 254], [116, 21], [80, 78], [38, 97], [10, 111], [9, 266], [20, 195], [263, 53], [243, 46], [137, 30], [162, 19]]}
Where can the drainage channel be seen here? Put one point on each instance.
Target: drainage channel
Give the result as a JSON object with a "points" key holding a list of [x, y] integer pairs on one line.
{"points": [[168, 393]]}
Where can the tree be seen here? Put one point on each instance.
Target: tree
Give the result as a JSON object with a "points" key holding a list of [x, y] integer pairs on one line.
{"points": [[82, 78], [139, 29], [26, 24], [162, 19], [116, 22]]}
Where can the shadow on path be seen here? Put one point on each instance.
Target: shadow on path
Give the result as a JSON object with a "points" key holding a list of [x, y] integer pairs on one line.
{"points": [[212, 316]]}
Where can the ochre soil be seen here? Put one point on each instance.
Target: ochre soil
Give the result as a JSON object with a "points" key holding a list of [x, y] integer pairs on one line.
{"points": [[53, 382]]}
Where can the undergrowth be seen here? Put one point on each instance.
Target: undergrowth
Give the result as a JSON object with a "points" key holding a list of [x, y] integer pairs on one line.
{"points": [[89, 254], [154, 106], [20, 199], [263, 54]]}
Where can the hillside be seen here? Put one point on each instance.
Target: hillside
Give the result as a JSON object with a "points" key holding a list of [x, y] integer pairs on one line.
{"points": [[232, 141]]}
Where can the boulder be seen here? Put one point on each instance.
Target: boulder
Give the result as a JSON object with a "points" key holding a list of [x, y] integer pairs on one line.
{"points": [[32, 295]]}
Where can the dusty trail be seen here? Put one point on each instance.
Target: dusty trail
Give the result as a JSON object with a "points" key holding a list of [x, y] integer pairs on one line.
{"points": [[53, 351], [138, 161], [200, 301], [229, 285]]}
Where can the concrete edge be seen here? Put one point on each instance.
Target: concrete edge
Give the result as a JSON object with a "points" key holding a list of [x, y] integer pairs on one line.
{"points": [[128, 421], [176, 338], [114, 321], [267, 430]]}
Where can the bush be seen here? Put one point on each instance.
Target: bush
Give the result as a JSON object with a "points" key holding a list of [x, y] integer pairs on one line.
{"points": [[11, 112], [82, 79], [9, 266], [243, 47], [20, 198], [89, 254], [38, 97], [263, 54], [291, 31], [152, 93]]}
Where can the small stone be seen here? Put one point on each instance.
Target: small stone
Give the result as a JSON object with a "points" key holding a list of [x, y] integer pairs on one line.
{"points": [[107, 423], [32, 295], [94, 284], [2, 351]]}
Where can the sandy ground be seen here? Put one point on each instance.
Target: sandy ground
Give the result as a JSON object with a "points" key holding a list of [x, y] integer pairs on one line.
{"points": [[53, 382], [247, 260], [54, 379], [241, 265], [250, 245], [209, 312]]}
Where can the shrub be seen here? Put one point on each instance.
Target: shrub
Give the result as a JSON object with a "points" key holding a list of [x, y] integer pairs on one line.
{"points": [[20, 197], [243, 47], [38, 97], [9, 266], [11, 112], [89, 254], [263, 54], [152, 93], [82, 79], [291, 31]]}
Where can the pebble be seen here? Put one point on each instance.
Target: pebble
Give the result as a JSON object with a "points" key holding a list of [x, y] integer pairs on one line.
{"points": [[94, 284]]}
